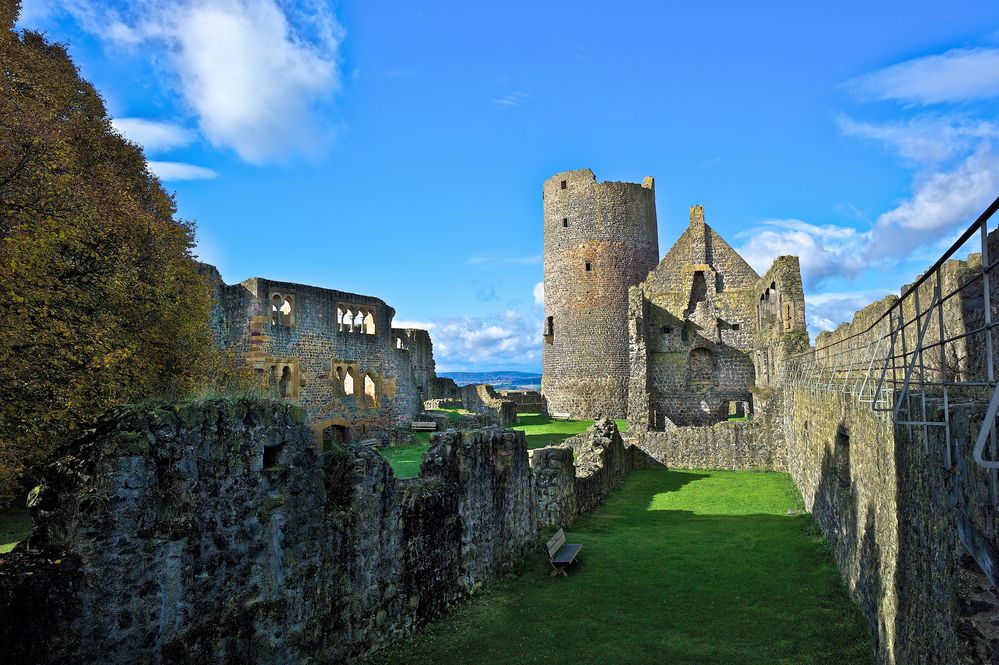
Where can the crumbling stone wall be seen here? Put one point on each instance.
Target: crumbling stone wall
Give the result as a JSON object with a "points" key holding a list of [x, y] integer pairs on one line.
{"points": [[599, 238], [216, 532], [482, 398], [421, 353], [564, 487], [691, 347], [305, 353], [442, 387], [526, 401]]}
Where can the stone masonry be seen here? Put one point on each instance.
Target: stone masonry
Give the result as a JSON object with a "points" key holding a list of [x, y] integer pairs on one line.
{"points": [[599, 239], [217, 533]]}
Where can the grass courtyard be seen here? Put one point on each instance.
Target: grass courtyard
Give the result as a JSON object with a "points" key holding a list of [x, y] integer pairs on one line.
{"points": [[539, 430], [676, 567]]}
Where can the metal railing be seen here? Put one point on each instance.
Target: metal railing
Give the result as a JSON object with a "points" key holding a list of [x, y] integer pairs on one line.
{"points": [[924, 352]]}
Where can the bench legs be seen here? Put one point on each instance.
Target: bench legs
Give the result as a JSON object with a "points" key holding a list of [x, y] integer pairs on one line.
{"points": [[558, 570]]}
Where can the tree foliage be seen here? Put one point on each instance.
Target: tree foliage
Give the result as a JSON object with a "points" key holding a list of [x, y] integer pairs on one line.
{"points": [[101, 299]]}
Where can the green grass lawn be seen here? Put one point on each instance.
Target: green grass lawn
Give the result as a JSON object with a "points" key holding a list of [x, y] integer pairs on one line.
{"points": [[15, 526], [676, 567], [540, 431]]}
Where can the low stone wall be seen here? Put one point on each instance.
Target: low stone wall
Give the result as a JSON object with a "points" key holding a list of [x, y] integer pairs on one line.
{"points": [[725, 445], [448, 403], [564, 489], [217, 533], [481, 398], [526, 401]]}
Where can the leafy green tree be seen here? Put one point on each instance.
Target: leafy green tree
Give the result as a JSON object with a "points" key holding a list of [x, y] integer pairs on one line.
{"points": [[100, 299]]}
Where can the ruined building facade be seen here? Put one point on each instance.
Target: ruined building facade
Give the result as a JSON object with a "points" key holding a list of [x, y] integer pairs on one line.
{"points": [[673, 342], [332, 352]]}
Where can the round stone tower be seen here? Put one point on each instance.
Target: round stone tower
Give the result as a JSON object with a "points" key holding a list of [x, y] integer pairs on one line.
{"points": [[600, 238]]}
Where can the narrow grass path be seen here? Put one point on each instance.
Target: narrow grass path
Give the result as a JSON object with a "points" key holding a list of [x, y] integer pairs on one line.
{"points": [[676, 567], [15, 526], [539, 430]]}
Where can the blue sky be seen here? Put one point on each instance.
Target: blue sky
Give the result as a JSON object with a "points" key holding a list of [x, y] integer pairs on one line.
{"points": [[398, 149]]}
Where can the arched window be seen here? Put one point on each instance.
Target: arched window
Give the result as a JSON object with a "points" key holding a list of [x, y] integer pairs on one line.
{"points": [[348, 382], [369, 323], [701, 364], [370, 391], [282, 310]]}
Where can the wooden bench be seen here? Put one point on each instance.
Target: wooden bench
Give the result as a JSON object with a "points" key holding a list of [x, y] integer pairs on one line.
{"points": [[560, 416], [424, 426], [561, 554]]}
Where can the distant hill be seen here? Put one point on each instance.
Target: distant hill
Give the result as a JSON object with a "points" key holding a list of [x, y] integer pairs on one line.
{"points": [[501, 380]]}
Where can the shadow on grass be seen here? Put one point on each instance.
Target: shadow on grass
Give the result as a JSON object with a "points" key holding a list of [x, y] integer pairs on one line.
{"points": [[673, 570]]}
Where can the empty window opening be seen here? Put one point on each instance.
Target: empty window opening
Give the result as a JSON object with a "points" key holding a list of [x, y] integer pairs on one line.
{"points": [[563, 184], [369, 323], [272, 455], [841, 456], [701, 364], [588, 267], [698, 291], [282, 308], [285, 384], [370, 392], [565, 222], [735, 326], [549, 328], [788, 315], [348, 382], [684, 335], [667, 330]]}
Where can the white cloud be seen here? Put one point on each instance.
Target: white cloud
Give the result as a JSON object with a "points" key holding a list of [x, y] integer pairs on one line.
{"points": [[176, 171], [824, 251], [940, 202], [509, 101], [154, 136], [826, 311], [539, 294], [422, 325], [506, 338], [258, 75], [957, 75], [924, 139]]}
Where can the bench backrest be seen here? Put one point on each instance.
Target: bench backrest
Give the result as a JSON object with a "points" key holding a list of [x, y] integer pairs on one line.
{"points": [[556, 543]]}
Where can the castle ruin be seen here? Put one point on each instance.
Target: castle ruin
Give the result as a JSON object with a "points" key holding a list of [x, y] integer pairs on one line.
{"points": [[679, 341]]}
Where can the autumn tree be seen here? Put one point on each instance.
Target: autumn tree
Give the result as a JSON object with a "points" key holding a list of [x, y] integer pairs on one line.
{"points": [[101, 299]]}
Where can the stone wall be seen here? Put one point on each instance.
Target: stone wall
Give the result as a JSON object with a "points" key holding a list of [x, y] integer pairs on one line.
{"points": [[526, 401], [599, 238], [691, 348], [727, 445], [565, 489], [481, 398], [421, 354], [216, 532], [442, 387], [353, 377]]}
